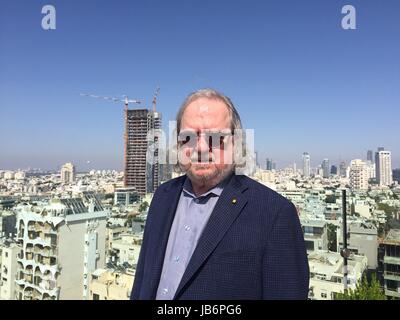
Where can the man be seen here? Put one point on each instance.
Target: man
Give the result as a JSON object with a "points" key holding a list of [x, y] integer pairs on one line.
{"points": [[213, 234]]}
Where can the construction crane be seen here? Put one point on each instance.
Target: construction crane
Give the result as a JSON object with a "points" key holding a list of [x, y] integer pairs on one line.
{"points": [[155, 98], [124, 99]]}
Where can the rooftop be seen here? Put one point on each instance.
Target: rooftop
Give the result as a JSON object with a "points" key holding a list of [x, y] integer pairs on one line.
{"points": [[330, 264], [313, 223], [393, 236]]}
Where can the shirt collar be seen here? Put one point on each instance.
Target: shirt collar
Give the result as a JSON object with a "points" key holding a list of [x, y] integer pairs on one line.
{"points": [[217, 190]]}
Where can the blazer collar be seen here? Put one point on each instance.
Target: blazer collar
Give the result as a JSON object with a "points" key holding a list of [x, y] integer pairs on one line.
{"points": [[226, 211], [165, 209]]}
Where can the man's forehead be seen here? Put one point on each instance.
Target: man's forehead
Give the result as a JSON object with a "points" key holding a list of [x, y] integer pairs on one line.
{"points": [[206, 113]]}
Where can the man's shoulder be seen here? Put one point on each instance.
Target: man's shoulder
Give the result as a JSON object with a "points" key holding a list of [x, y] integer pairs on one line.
{"points": [[175, 183], [260, 190]]}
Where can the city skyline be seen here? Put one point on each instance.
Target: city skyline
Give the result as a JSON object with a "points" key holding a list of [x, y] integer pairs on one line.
{"points": [[297, 78], [313, 164]]}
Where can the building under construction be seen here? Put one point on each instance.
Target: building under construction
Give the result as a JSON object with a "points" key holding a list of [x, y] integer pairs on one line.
{"points": [[139, 173]]}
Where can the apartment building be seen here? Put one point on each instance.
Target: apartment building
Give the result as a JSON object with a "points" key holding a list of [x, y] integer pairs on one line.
{"points": [[8, 268], [390, 263], [315, 234], [62, 242], [326, 274], [362, 239], [111, 284]]}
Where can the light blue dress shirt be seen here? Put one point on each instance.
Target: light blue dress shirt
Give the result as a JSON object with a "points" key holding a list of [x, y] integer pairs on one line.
{"points": [[191, 217]]}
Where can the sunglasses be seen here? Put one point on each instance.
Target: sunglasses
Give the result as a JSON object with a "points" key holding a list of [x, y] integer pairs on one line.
{"points": [[215, 139]]}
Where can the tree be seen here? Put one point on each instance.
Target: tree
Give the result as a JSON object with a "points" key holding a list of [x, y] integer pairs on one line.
{"points": [[332, 235], [388, 209], [143, 206], [363, 291]]}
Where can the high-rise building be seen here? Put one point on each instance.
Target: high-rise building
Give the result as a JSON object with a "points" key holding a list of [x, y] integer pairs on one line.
{"points": [[62, 243], [153, 174], [68, 173], [396, 175], [256, 155], [273, 165], [342, 169], [306, 165], [381, 149], [269, 164], [325, 168], [334, 169], [8, 268], [383, 167], [7, 223], [139, 173], [370, 156], [358, 175], [371, 169], [389, 263]]}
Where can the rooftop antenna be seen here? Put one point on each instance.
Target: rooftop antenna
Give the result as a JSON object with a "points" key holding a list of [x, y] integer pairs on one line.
{"points": [[345, 253]]}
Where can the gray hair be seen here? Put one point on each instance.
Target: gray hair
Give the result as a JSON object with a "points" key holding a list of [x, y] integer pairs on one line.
{"points": [[236, 124], [212, 94]]}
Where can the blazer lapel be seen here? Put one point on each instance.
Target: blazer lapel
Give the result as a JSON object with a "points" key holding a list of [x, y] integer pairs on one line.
{"points": [[227, 209], [167, 204]]}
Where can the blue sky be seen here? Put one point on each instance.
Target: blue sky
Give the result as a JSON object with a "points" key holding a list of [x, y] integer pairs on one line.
{"points": [[297, 78]]}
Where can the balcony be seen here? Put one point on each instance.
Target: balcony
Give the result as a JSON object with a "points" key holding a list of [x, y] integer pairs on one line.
{"points": [[28, 278], [47, 260], [32, 235], [48, 285], [28, 272], [29, 249], [49, 230], [20, 282], [49, 253], [391, 275], [392, 293], [391, 260], [29, 256]]}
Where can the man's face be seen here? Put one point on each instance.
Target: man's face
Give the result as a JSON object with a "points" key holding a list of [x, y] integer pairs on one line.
{"points": [[206, 141]]}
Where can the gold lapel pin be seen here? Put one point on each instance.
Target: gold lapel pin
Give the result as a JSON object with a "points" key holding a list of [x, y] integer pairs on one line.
{"points": [[234, 200]]}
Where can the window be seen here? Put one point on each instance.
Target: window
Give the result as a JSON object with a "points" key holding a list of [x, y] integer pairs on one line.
{"points": [[324, 295], [96, 296], [309, 245], [308, 230], [6, 254]]}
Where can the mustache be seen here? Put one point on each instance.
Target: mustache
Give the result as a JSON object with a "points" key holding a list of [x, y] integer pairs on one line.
{"points": [[202, 158]]}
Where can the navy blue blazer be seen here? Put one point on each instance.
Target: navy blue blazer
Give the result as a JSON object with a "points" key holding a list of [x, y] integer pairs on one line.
{"points": [[251, 248]]}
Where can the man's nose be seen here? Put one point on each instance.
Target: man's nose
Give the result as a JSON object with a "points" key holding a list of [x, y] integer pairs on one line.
{"points": [[202, 144]]}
